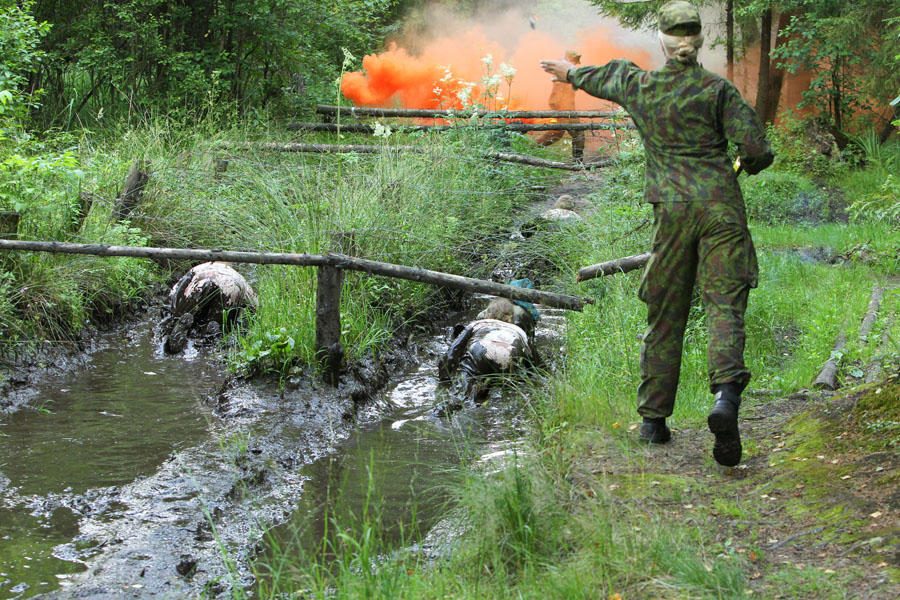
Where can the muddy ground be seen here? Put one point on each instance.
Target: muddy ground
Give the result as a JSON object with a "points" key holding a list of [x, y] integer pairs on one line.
{"points": [[194, 525]]}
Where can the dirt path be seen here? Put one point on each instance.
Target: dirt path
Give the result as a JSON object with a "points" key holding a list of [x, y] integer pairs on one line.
{"points": [[813, 510]]}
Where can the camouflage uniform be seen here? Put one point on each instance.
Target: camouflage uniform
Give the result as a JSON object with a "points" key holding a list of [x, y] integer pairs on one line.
{"points": [[686, 116], [562, 97]]}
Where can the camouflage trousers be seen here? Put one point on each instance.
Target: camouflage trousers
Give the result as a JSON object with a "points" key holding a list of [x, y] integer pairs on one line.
{"points": [[706, 242]]}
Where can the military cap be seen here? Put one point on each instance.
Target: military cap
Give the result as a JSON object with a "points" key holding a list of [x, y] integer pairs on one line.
{"points": [[678, 14]]}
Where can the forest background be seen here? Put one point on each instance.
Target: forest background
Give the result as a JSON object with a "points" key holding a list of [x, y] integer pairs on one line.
{"points": [[88, 87]]}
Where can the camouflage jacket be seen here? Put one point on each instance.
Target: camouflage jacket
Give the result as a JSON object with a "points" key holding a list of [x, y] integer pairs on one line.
{"points": [[686, 116]]}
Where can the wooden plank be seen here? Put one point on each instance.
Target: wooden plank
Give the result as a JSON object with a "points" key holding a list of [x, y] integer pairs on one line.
{"points": [[423, 113], [340, 261], [518, 127]]}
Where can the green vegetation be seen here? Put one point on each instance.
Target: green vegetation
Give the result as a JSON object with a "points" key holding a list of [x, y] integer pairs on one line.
{"points": [[587, 511], [584, 511]]}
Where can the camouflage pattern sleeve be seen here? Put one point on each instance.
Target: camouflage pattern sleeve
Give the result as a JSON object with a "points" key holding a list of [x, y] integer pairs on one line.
{"points": [[609, 82], [743, 128]]}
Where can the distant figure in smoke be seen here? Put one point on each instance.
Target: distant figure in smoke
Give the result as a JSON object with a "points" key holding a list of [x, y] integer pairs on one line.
{"points": [[498, 341], [562, 97]]}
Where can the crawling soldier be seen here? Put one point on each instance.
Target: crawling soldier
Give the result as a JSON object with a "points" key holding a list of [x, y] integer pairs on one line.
{"points": [[497, 341], [202, 299]]}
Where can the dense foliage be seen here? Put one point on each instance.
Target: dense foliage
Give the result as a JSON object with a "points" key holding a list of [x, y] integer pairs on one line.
{"points": [[848, 47], [139, 55]]}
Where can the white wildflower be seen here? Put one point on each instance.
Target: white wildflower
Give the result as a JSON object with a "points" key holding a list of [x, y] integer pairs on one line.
{"points": [[381, 131], [507, 71], [491, 81], [488, 60], [348, 57]]}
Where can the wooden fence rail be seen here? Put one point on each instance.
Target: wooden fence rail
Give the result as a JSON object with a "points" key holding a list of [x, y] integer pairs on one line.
{"points": [[371, 149], [330, 280], [422, 113], [517, 127]]}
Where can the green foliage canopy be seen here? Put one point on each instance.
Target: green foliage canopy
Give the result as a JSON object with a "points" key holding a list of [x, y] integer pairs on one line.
{"points": [[169, 55]]}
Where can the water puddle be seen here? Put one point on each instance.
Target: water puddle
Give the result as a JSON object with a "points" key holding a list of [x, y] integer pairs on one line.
{"points": [[125, 468], [114, 420], [400, 469]]}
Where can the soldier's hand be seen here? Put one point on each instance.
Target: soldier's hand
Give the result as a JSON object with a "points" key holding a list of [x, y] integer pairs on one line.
{"points": [[558, 68]]}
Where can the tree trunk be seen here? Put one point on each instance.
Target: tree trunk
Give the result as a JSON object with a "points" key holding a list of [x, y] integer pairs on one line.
{"points": [[765, 51], [729, 38], [776, 72]]}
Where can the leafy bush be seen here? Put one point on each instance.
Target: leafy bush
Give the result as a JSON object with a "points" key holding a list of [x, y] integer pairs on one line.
{"points": [[775, 198], [805, 147], [881, 206], [20, 35]]}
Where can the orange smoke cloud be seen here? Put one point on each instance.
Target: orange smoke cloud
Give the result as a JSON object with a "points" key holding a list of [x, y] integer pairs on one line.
{"points": [[470, 67]]}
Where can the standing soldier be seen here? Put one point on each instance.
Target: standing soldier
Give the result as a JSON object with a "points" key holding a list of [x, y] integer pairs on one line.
{"points": [[686, 116], [562, 97]]}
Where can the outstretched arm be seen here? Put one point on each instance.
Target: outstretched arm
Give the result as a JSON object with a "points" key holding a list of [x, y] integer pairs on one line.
{"points": [[450, 360], [558, 68]]}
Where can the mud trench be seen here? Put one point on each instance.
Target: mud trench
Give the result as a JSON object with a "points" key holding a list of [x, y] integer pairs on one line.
{"points": [[138, 474]]}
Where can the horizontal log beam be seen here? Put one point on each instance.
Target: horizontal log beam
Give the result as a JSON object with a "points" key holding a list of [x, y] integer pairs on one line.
{"points": [[517, 127], [423, 113], [339, 261], [620, 265], [509, 157]]}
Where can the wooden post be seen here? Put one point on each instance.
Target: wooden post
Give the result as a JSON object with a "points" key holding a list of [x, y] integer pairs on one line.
{"points": [[134, 188], [827, 377], [9, 224], [328, 321], [221, 167]]}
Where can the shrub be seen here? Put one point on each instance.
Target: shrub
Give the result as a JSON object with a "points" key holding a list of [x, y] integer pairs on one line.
{"points": [[774, 197]]}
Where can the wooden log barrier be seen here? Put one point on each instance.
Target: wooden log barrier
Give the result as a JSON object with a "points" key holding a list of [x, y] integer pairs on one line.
{"points": [[518, 127], [371, 149], [340, 261], [422, 113], [827, 377], [620, 265]]}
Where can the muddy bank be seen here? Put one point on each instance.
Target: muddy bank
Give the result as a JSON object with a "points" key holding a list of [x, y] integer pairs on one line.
{"points": [[185, 512]]}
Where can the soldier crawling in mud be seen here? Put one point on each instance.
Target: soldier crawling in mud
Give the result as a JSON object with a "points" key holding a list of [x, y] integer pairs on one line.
{"points": [[686, 117], [498, 341], [207, 297]]}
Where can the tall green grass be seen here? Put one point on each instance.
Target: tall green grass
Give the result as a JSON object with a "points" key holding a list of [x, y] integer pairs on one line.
{"points": [[541, 528], [435, 210]]}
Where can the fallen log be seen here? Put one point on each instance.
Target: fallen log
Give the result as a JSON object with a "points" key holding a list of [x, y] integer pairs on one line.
{"points": [[338, 261], [827, 377], [366, 149], [620, 265], [517, 127], [423, 113], [871, 313]]}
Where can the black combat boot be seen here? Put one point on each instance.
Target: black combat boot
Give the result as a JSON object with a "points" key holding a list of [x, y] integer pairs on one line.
{"points": [[723, 423], [655, 431]]}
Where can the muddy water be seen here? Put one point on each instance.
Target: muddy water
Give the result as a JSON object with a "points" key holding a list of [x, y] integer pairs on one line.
{"points": [[399, 469], [115, 419], [128, 467]]}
